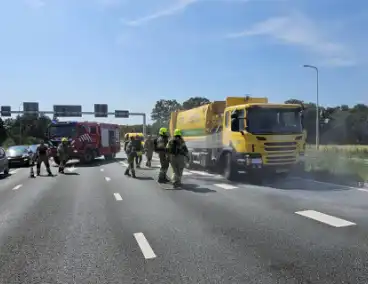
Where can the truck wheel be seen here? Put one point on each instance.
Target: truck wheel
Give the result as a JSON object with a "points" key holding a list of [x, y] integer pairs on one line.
{"points": [[56, 160], [88, 157], [230, 171]]}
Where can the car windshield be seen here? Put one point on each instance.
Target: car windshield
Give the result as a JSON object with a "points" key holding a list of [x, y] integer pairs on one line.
{"points": [[67, 130], [33, 148], [17, 150], [274, 121]]}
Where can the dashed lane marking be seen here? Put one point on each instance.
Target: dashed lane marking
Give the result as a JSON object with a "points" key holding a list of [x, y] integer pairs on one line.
{"points": [[225, 186], [17, 186], [145, 247], [107, 178], [202, 173], [324, 218], [118, 197], [12, 172]]}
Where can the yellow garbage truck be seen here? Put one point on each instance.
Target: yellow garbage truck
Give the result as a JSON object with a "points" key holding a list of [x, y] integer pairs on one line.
{"points": [[243, 134]]}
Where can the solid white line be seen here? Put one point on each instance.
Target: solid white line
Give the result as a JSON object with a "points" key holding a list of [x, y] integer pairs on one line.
{"points": [[17, 186], [187, 173], [330, 183], [225, 186], [144, 246], [107, 178], [324, 218], [201, 173], [118, 197]]}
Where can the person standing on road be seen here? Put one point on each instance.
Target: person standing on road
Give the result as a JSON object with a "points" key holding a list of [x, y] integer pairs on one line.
{"points": [[149, 146], [177, 151], [63, 153], [131, 150], [160, 147], [42, 157]]}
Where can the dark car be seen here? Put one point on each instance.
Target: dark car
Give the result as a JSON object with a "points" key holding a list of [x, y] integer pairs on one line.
{"points": [[19, 156]]}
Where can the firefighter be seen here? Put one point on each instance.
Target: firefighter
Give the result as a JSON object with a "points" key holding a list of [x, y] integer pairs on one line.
{"points": [[42, 157], [132, 148], [63, 154], [138, 158], [148, 149], [177, 151], [160, 148], [126, 141]]}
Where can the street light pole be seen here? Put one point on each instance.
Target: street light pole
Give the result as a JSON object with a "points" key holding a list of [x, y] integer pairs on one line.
{"points": [[317, 103], [20, 126]]}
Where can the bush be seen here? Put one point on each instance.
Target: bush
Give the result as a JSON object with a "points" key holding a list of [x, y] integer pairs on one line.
{"points": [[343, 164]]}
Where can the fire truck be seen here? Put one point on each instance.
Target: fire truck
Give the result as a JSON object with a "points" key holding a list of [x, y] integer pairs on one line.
{"points": [[88, 140]]}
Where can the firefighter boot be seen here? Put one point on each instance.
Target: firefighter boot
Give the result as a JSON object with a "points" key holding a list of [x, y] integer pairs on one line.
{"points": [[38, 171], [127, 172], [31, 174], [133, 174]]}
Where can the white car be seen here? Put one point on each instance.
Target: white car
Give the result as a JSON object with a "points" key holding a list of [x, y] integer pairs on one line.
{"points": [[4, 163]]}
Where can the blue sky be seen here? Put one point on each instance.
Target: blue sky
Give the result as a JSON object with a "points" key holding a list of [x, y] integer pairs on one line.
{"points": [[130, 53]]}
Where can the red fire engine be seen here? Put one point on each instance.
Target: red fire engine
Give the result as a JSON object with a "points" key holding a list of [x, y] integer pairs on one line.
{"points": [[88, 140]]}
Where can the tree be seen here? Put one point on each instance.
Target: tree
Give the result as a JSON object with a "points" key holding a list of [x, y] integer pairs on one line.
{"points": [[162, 110], [195, 102], [3, 134]]}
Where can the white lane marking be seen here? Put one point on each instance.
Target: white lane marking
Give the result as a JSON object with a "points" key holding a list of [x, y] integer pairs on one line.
{"points": [[101, 170], [17, 186], [124, 164], [202, 173], [156, 159], [118, 197], [187, 173], [107, 178], [330, 183], [225, 186], [324, 218], [12, 172], [72, 169], [144, 246]]}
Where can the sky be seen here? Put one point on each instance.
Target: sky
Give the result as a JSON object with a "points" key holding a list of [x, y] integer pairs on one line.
{"points": [[131, 53]]}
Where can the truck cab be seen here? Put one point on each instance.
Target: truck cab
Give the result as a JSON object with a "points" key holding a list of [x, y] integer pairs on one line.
{"points": [[262, 136]]}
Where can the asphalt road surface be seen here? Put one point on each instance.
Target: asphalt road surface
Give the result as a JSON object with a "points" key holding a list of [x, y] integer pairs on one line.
{"points": [[94, 225]]}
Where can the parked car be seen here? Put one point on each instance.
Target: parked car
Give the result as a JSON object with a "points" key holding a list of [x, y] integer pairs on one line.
{"points": [[20, 155], [4, 164]]}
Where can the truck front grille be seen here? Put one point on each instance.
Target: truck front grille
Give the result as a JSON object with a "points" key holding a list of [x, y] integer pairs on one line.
{"points": [[278, 153]]}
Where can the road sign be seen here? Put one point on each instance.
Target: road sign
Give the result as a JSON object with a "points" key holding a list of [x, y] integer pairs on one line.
{"points": [[67, 111], [30, 108], [6, 111], [122, 113], [101, 110]]}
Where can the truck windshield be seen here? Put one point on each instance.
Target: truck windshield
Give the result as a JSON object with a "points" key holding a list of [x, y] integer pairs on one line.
{"points": [[66, 130], [274, 121]]}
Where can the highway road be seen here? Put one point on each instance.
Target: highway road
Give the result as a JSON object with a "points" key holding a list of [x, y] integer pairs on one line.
{"points": [[95, 225]]}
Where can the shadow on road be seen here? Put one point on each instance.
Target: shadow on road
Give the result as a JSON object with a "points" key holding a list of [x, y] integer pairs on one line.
{"points": [[195, 188], [95, 163], [71, 174], [4, 176], [143, 178]]}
